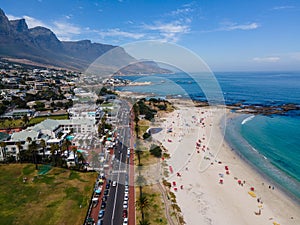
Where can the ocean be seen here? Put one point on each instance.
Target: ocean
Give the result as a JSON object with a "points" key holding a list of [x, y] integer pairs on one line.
{"points": [[271, 144]]}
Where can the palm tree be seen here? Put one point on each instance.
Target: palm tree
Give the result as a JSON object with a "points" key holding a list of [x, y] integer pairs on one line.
{"points": [[19, 146], [74, 150], [142, 203], [43, 145], [32, 148], [3, 148], [144, 222], [25, 120], [54, 148], [67, 143], [80, 158]]}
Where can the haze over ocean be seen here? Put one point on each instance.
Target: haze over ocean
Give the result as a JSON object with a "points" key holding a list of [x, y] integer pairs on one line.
{"points": [[270, 143]]}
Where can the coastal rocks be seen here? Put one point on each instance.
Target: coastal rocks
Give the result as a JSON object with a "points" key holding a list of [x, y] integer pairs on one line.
{"points": [[264, 109]]}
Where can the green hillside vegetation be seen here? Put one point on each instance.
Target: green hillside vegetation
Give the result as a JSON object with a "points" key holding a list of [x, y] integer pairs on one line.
{"points": [[59, 197]]}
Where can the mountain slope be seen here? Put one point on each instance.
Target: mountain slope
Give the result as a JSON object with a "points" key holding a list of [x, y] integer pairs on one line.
{"points": [[40, 45]]}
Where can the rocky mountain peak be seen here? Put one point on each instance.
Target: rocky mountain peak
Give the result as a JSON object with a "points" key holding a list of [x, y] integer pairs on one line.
{"points": [[4, 23], [19, 25]]}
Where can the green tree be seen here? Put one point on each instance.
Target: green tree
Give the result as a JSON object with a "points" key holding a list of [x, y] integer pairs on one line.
{"points": [[32, 149], [43, 145], [67, 144], [144, 222], [74, 150], [156, 151], [19, 155], [142, 204], [25, 120], [53, 150]]}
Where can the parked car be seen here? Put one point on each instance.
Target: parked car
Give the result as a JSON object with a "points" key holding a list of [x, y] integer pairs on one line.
{"points": [[114, 183], [104, 198], [125, 213], [126, 189], [100, 222], [126, 197], [101, 214], [103, 205], [125, 205], [106, 192], [90, 221], [125, 221]]}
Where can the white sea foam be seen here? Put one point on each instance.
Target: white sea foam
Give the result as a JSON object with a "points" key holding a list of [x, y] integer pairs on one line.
{"points": [[247, 119], [254, 149]]}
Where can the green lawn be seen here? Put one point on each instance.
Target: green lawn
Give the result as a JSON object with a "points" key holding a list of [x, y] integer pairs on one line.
{"points": [[37, 120], [53, 198], [9, 123], [16, 123]]}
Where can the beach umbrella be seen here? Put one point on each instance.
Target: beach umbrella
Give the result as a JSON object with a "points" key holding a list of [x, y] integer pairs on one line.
{"points": [[239, 181], [226, 167], [174, 183], [221, 181], [252, 188]]}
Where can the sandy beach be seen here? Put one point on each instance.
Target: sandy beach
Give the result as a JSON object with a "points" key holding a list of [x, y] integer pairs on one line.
{"points": [[210, 181]]}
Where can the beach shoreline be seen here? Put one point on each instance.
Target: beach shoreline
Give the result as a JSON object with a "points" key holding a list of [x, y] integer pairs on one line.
{"points": [[277, 206], [266, 177]]}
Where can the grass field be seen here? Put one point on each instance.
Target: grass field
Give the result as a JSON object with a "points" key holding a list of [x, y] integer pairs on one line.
{"points": [[53, 198], [37, 120], [16, 123], [6, 123]]}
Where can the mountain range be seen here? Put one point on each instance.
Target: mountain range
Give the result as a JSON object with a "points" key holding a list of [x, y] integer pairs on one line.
{"points": [[40, 45]]}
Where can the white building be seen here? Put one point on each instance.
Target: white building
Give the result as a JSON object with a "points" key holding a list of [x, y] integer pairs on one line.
{"points": [[85, 111], [52, 131]]}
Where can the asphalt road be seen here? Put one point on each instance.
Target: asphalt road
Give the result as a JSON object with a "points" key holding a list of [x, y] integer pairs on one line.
{"points": [[114, 207]]}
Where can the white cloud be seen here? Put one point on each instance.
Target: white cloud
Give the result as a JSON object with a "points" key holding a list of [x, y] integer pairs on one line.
{"points": [[169, 31], [65, 31], [266, 59], [283, 7], [119, 33], [11, 17], [32, 22], [228, 26], [181, 11], [249, 26], [294, 55]]}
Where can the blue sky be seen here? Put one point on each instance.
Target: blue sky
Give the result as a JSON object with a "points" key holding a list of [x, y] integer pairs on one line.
{"points": [[229, 35]]}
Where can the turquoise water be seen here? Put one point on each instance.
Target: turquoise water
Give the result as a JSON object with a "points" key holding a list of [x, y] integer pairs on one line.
{"points": [[271, 145]]}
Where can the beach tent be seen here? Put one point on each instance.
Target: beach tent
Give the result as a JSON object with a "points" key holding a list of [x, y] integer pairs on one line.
{"points": [[251, 193]]}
